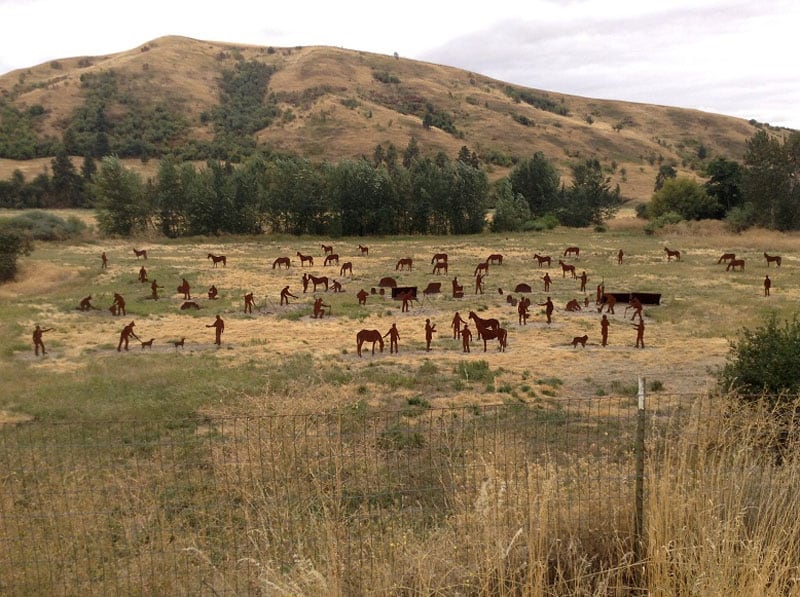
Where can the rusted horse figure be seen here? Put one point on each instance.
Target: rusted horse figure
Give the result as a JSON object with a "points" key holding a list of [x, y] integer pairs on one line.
{"points": [[305, 258], [437, 257], [140, 253], [281, 261], [734, 263], [566, 267], [347, 266], [499, 334], [404, 263], [773, 259], [327, 249], [440, 267], [215, 259], [316, 281], [364, 250], [670, 254], [483, 324], [572, 251], [495, 258], [369, 336], [727, 257], [481, 268], [331, 259], [542, 259]]}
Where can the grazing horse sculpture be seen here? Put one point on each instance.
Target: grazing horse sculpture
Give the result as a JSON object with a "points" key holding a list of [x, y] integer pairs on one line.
{"points": [[364, 250], [727, 257], [327, 249], [369, 336], [281, 261], [572, 251], [305, 258], [499, 334], [734, 263], [437, 257], [670, 254], [331, 259], [347, 266], [406, 262], [481, 268], [495, 258], [140, 253], [542, 259], [215, 259], [440, 267], [566, 267], [776, 259], [484, 324], [317, 281]]}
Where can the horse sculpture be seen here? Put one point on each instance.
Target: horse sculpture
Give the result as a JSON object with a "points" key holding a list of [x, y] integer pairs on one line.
{"points": [[404, 263], [317, 281], [331, 259], [483, 324], [440, 267], [499, 334], [670, 254], [572, 251], [728, 257], [215, 259], [481, 267], [495, 258], [542, 259], [368, 336], [281, 261], [566, 267], [327, 249], [140, 253], [364, 250], [734, 263], [437, 257], [347, 266], [305, 259], [776, 259]]}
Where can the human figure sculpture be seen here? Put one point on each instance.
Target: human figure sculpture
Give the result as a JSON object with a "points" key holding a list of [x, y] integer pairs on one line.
{"points": [[125, 336], [573, 305], [37, 339], [154, 290], [548, 309], [86, 303], [394, 336], [547, 281], [406, 298], [429, 330], [636, 305], [458, 289], [466, 337], [608, 301], [248, 302], [620, 255], [185, 289], [639, 333], [362, 295], [219, 327], [285, 294], [104, 261], [522, 310], [319, 312], [142, 275], [336, 286], [305, 281], [767, 285], [456, 325], [212, 292], [118, 305], [600, 291], [583, 279], [479, 283], [604, 330]]}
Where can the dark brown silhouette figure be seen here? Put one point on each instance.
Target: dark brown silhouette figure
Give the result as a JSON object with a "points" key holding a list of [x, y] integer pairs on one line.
{"points": [[499, 334], [37, 339], [305, 258], [327, 249], [440, 267], [601, 289], [179, 344], [776, 259], [735, 263], [142, 275], [523, 287], [566, 267], [394, 336], [406, 298], [336, 286], [639, 333], [347, 267], [219, 327], [608, 301], [522, 310], [154, 289], [285, 261], [458, 289], [429, 330], [331, 259], [437, 257], [118, 305], [368, 336], [140, 253], [362, 296], [387, 282], [466, 338], [186, 290], [212, 292], [147, 344], [479, 284], [547, 281], [726, 257], [548, 309], [670, 254], [620, 255], [767, 285], [456, 324], [125, 336], [189, 305], [405, 263], [364, 250], [86, 304], [305, 283], [604, 330], [580, 340], [483, 324], [583, 278], [636, 305], [432, 288], [495, 258], [481, 268], [319, 312], [573, 305], [572, 251], [215, 259], [285, 294], [104, 261], [542, 259], [248, 302], [318, 281]]}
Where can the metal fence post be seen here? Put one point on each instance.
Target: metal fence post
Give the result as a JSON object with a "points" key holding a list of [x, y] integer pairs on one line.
{"points": [[638, 531]]}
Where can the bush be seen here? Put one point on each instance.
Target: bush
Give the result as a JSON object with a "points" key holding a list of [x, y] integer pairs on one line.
{"points": [[41, 225], [740, 218], [668, 218], [546, 222], [13, 243]]}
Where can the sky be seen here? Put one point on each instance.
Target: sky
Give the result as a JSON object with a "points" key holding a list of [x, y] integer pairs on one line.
{"points": [[730, 57]]}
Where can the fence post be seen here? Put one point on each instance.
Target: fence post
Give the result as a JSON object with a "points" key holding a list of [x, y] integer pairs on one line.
{"points": [[638, 531]]}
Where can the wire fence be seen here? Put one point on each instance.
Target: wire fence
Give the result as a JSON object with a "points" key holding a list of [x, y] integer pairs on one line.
{"points": [[251, 505]]}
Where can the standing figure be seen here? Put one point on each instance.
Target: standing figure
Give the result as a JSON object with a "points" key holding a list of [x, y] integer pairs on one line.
{"points": [[37, 339], [429, 329], [522, 310], [219, 327], [142, 275], [767, 285], [185, 289], [212, 292], [637, 306], [104, 261], [362, 295], [248, 302], [583, 279], [547, 281], [154, 290], [118, 306], [479, 283], [466, 337], [601, 290], [319, 312], [604, 330], [285, 294], [619, 257], [456, 325], [548, 309], [394, 336], [639, 333], [125, 335]]}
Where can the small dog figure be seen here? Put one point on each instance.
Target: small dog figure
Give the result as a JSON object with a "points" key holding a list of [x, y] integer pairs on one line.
{"points": [[579, 340], [178, 343], [148, 344]]}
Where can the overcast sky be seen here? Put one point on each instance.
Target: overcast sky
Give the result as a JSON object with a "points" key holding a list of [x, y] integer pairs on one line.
{"points": [[727, 56]]}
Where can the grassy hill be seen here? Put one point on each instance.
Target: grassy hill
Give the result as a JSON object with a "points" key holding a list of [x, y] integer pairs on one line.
{"points": [[332, 103]]}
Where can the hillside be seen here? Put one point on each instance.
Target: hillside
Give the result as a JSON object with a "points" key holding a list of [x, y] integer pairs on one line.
{"points": [[333, 103]]}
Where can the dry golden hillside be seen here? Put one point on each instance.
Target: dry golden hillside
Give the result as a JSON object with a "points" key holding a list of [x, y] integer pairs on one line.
{"points": [[332, 107]]}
